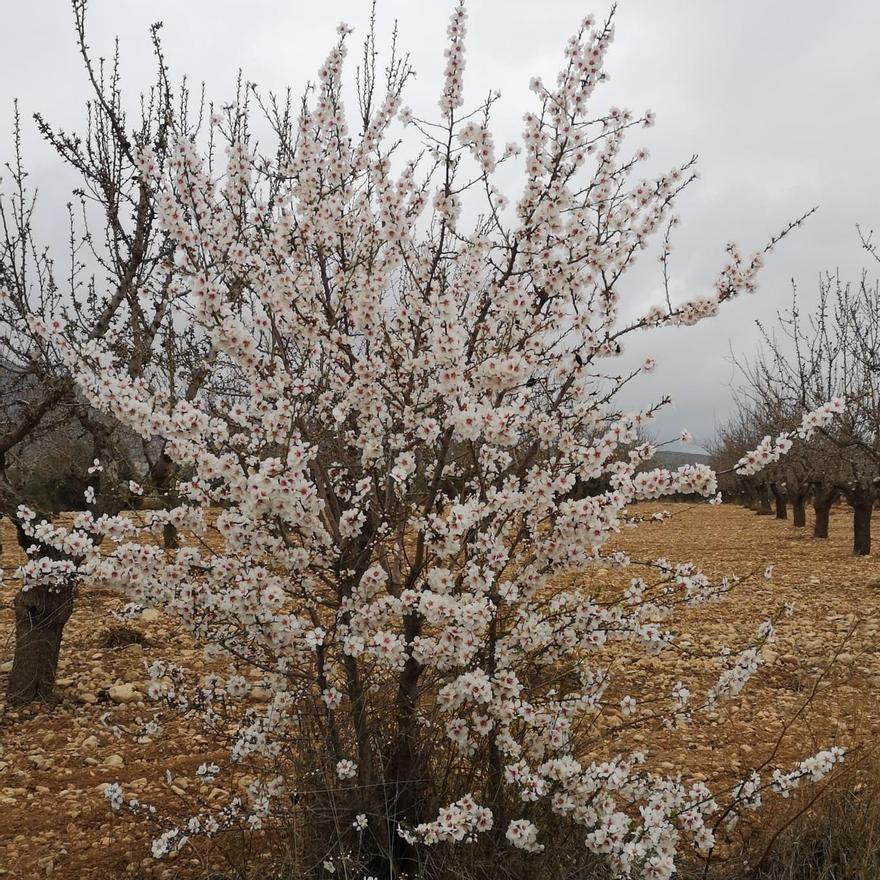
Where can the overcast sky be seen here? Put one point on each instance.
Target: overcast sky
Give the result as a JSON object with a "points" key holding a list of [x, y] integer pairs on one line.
{"points": [[779, 99]]}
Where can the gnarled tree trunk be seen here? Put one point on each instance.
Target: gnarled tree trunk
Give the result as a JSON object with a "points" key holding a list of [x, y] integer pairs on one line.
{"points": [[797, 492], [162, 474], [41, 611], [405, 806], [823, 497], [820, 525], [40, 615], [862, 529]]}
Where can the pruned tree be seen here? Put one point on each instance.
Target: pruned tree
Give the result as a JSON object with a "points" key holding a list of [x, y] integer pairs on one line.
{"points": [[829, 353], [115, 288]]}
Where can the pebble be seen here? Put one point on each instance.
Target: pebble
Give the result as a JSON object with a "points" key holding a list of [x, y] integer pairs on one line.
{"points": [[260, 695], [123, 693], [40, 762]]}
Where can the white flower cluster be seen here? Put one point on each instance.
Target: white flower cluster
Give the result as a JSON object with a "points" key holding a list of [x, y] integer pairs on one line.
{"points": [[524, 835], [346, 769], [460, 821], [734, 678], [481, 144], [813, 769], [770, 451], [452, 89]]}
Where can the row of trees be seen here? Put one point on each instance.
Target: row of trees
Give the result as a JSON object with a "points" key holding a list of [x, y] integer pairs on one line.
{"points": [[831, 351]]}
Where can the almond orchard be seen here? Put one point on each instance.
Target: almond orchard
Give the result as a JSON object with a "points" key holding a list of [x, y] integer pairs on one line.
{"points": [[373, 402]]}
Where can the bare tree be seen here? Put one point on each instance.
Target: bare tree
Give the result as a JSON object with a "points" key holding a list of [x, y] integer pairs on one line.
{"points": [[116, 288], [804, 361]]}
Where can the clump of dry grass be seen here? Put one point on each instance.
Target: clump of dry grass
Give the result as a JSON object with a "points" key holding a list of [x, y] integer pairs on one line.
{"points": [[122, 637], [832, 835], [837, 838], [830, 832]]}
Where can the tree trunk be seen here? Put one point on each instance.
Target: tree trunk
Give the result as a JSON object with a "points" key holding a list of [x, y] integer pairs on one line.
{"points": [[170, 538], [41, 612], [822, 509], [798, 511], [405, 806], [781, 501], [862, 528], [162, 473], [764, 506], [823, 497], [40, 615]]}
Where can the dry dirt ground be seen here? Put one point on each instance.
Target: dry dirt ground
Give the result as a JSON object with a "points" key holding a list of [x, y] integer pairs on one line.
{"points": [[54, 820]]}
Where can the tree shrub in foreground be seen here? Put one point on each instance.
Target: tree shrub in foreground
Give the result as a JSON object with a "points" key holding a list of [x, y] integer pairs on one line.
{"points": [[410, 373]]}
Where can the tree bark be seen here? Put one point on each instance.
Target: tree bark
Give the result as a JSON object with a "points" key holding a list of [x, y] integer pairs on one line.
{"points": [[405, 805], [170, 538], [781, 501], [862, 528], [823, 497], [820, 525], [861, 496], [40, 615], [41, 611], [162, 473], [798, 511]]}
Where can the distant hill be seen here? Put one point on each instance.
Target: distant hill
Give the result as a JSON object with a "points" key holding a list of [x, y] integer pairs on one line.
{"points": [[669, 459]]}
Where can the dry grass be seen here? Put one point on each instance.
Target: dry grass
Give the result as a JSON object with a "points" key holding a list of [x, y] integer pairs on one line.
{"points": [[836, 839]]}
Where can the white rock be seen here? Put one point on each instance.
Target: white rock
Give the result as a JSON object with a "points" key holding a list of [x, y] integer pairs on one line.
{"points": [[123, 693]]}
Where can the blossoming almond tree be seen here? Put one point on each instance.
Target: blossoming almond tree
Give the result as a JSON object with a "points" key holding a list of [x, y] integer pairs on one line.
{"points": [[409, 377]]}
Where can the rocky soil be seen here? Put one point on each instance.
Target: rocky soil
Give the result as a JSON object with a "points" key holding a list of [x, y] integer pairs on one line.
{"points": [[54, 764]]}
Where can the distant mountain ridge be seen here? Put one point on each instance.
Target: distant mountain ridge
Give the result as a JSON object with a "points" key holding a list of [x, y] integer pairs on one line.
{"points": [[670, 459]]}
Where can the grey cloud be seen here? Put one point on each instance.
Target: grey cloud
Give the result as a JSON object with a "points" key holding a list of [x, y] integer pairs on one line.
{"points": [[779, 99]]}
